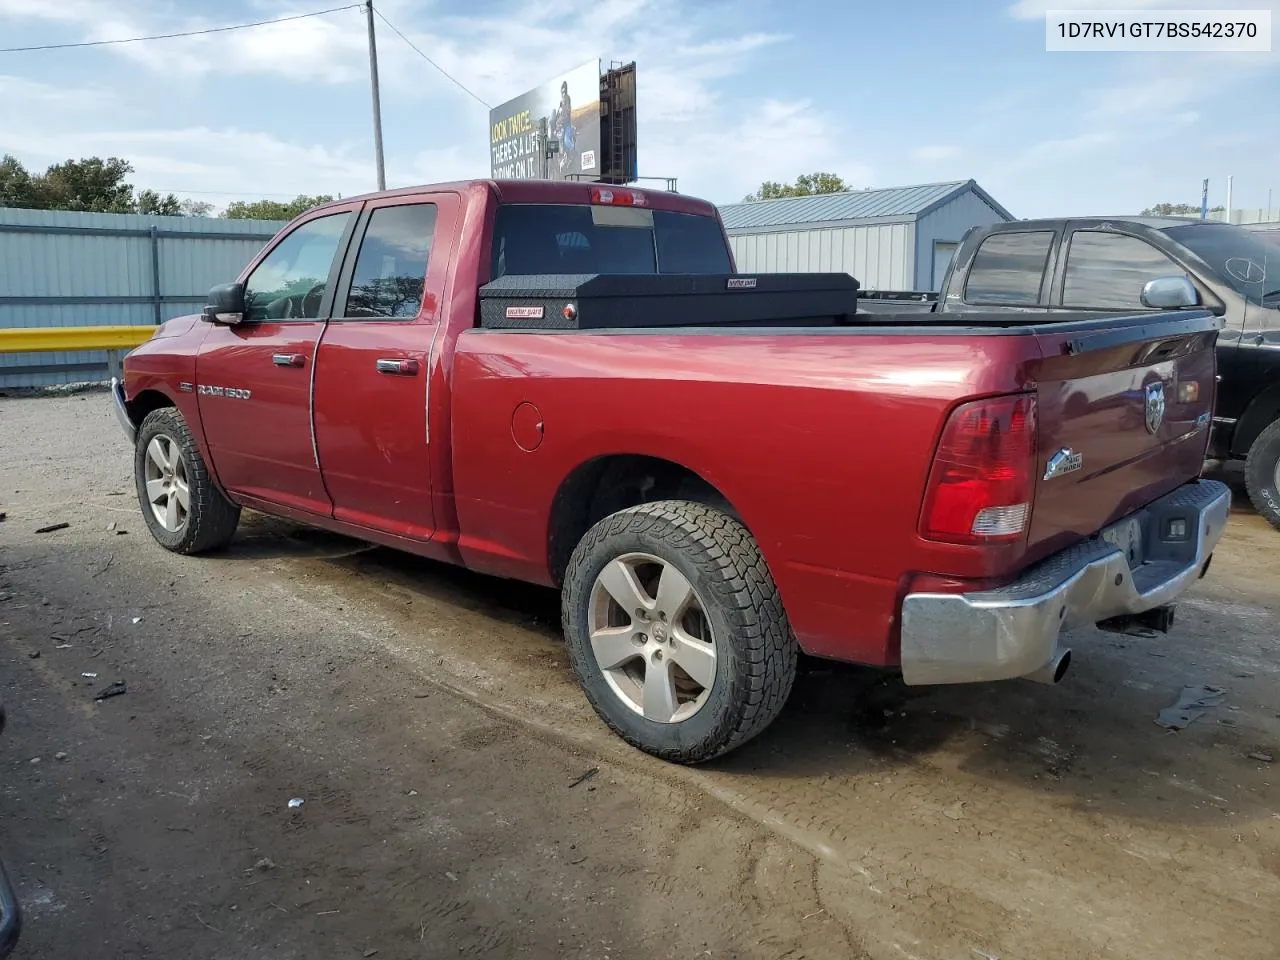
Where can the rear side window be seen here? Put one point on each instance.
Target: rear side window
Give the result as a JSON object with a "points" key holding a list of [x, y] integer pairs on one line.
{"points": [[1107, 271], [1009, 268], [532, 239], [391, 267]]}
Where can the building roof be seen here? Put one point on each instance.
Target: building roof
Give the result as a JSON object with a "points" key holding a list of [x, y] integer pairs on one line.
{"points": [[889, 203]]}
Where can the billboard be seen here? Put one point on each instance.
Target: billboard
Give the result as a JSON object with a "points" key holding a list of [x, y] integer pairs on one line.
{"points": [[565, 110]]}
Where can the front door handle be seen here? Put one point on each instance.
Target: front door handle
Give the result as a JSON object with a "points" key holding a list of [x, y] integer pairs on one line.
{"points": [[288, 359], [405, 368]]}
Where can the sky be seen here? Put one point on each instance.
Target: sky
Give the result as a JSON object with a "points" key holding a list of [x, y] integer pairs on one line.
{"points": [[730, 94]]}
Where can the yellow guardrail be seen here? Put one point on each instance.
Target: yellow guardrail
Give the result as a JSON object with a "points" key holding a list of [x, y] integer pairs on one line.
{"points": [[38, 339]]}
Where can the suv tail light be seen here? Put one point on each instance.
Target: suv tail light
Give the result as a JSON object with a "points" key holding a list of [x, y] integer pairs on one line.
{"points": [[983, 478], [612, 197]]}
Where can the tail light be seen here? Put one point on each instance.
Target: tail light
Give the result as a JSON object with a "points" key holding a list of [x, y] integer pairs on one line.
{"points": [[983, 475], [617, 198]]}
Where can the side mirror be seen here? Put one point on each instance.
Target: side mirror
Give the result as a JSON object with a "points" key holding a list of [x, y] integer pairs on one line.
{"points": [[226, 305], [1170, 293]]}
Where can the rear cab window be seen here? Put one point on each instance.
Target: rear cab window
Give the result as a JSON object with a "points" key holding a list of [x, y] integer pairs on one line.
{"points": [[1009, 268], [550, 238], [1107, 271]]}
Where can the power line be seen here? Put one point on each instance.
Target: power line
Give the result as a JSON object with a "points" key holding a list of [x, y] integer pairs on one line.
{"points": [[448, 76], [186, 33]]}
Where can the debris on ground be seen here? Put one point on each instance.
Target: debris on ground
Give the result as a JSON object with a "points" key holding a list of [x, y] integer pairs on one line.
{"points": [[955, 811], [52, 527], [114, 690], [111, 526], [1191, 705], [2, 516], [295, 803], [89, 676], [266, 863], [587, 775], [1261, 757], [60, 755], [137, 620], [34, 654]]}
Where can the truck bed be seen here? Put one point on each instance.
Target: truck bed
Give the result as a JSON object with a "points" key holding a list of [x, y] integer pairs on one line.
{"points": [[849, 415]]}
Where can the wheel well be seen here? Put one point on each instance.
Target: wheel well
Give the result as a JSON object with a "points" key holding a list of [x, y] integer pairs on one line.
{"points": [[1261, 412], [146, 402], [606, 485]]}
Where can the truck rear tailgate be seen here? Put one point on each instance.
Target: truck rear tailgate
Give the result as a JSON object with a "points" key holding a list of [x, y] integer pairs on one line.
{"points": [[1124, 417]]}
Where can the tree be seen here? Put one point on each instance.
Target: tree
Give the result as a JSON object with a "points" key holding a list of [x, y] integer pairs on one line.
{"points": [[91, 184], [16, 188], [1177, 210], [196, 208], [806, 185], [273, 209], [152, 203]]}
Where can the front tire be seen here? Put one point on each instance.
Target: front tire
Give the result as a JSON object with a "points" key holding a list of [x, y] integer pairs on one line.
{"points": [[1262, 474], [183, 509], [675, 630]]}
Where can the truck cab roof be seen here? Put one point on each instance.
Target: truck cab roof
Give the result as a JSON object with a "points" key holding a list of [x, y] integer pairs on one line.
{"points": [[542, 191]]}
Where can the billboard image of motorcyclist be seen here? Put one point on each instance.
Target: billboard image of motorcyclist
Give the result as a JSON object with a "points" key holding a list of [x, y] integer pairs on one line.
{"points": [[563, 130]]}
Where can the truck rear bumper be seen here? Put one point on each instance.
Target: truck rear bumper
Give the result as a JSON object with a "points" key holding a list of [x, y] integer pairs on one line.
{"points": [[1143, 561]]}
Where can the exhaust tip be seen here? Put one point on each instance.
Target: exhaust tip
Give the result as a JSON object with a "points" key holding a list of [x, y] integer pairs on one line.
{"points": [[1053, 671]]}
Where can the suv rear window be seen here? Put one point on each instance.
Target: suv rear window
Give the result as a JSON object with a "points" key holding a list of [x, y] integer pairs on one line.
{"points": [[542, 238]]}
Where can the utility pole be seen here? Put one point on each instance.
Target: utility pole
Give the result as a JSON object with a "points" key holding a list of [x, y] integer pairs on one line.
{"points": [[377, 106], [1204, 199], [1229, 179]]}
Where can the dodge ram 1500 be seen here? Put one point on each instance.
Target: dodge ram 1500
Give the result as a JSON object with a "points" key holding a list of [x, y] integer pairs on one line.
{"points": [[570, 384]]}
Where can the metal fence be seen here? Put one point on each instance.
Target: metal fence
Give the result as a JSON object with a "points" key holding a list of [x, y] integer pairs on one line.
{"points": [[59, 269]]}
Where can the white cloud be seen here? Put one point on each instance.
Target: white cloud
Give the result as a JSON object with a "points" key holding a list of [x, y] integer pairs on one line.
{"points": [[1036, 9], [692, 125], [778, 141], [935, 154]]}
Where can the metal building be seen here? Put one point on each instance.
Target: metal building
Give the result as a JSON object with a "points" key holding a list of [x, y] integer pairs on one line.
{"points": [[898, 238], [61, 268]]}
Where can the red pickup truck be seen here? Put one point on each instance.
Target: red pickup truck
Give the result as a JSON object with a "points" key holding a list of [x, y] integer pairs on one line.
{"points": [[571, 385]]}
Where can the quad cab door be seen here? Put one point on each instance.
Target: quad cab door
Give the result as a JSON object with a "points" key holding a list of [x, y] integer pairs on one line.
{"points": [[253, 379], [373, 365]]}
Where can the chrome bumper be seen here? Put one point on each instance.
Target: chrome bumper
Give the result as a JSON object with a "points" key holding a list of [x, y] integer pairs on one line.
{"points": [[1131, 567], [122, 412]]}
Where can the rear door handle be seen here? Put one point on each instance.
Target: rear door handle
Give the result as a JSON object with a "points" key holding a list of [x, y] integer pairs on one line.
{"points": [[405, 368], [288, 359]]}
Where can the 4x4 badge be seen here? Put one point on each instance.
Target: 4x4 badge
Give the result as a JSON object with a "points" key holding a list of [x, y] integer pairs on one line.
{"points": [[1065, 460]]}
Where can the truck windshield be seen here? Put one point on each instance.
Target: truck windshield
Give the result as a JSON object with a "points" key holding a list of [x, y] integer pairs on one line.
{"points": [[1249, 265], [544, 238]]}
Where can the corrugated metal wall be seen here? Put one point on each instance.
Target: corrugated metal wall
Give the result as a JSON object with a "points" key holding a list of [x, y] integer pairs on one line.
{"points": [[880, 256], [59, 268], [948, 223]]}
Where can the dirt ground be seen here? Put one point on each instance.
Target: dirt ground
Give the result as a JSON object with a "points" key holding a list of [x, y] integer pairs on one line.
{"points": [[429, 722]]}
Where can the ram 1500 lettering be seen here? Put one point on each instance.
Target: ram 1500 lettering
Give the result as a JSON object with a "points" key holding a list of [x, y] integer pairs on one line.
{"points": [[1134, 265], [570, 384]]}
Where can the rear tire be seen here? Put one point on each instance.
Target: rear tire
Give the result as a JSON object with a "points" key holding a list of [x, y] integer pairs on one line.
{"points": [[1262, 474], [698, 595], [183, 509]]}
